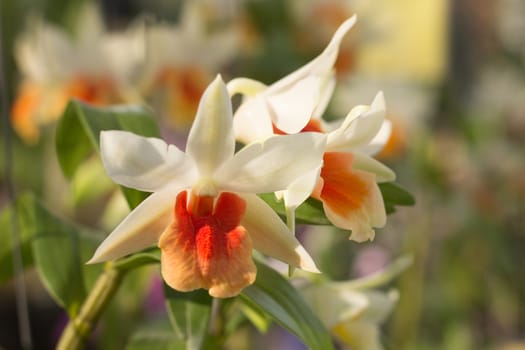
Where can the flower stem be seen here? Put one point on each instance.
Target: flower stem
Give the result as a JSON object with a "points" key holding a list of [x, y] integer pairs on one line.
{"points": [[80, 327]]}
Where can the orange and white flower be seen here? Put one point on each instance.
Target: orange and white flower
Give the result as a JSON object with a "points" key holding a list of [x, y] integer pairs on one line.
{"points": [[182, 59], [347, 181], [206, 240], [94, 67]]}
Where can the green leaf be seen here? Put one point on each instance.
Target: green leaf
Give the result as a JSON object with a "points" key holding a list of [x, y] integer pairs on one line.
{"points": [[274, 294], [34, 222], [78, 134], [189, 315], [7, 216], [394, 195], [90, 182], [310, 212], [145, 257], [155, 337], [59, 253], [257, 317]]}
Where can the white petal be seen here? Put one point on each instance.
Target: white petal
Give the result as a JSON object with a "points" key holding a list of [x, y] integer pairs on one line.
{"points": [[371, 165], [144, 163], [252, 121], [271, 165], [300, 189], [360, 126], [270, 235], [140, 229], [292, 109], [211, 140], [321, 65], [327, 90], [342, 305]]}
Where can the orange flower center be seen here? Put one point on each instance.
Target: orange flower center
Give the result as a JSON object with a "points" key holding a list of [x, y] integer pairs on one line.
{"points": [[205, 246], [180, 91], [23, 109], [94, 90], [343, 190]]}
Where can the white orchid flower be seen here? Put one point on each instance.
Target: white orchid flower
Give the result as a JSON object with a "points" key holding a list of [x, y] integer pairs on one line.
{"points": [[95, 67], [288, 104], [206, 240], [172, 79], [354, 316]]}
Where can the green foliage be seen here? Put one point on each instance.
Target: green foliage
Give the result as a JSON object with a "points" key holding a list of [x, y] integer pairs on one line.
{"points": [[189, 315], [394, 195], [158, 338], [310, 212], [9, 221], [274, 295], [78, 134], [57, 248]]}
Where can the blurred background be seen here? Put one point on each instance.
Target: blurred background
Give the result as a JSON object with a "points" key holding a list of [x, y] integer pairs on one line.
{"points": [[453, 74]]}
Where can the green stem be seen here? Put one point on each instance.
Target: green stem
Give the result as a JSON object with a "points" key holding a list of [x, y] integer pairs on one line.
{"points": [[80, 327]]}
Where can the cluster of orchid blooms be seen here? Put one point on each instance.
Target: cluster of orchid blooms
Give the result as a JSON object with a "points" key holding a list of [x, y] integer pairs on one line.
{"points": [[204, 212], [141, 64]]}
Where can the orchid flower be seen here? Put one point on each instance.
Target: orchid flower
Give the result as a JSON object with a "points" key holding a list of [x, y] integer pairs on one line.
{"points": [[204, 213], [172, 79], [94, 66], [288, 104], [354, 316], [347, 181]]}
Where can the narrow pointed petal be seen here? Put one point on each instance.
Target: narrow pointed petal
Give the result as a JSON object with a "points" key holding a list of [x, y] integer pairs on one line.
{"points": [[292, 108], [270, 235], [343, 305], [273, 164], [140, 229], [371, 165], [359, 128], [211, 140], [292, 101], [144, 163], [351, 198], [321, 65], [252, 121]]}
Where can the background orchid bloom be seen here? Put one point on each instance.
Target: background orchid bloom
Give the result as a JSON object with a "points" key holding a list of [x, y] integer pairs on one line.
{"points": [[173, 80], [206, 240], [354, 316], [289, 103], [94, 66]]}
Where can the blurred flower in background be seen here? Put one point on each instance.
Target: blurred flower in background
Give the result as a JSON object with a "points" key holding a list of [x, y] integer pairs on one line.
{"points": [[91, 65], [181, 60]]}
